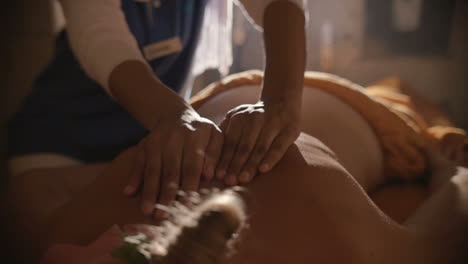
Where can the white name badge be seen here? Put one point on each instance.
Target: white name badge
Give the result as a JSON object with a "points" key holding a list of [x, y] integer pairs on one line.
{"points": [[162, 48]]}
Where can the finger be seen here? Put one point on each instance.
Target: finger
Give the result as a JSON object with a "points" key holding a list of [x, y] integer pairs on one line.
{"points": [[245, 147], [138, 170], [261, 147], [213, 151], [171, 175], [231, 138], [277, 150], [151, 179], [193, 157]]}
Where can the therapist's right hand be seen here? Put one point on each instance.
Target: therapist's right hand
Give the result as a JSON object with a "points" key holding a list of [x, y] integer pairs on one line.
{"points": [[173, 157]]}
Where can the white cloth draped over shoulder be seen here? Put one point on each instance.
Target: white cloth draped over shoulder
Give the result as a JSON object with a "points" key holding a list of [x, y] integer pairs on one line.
{"points": [[101, 40]]}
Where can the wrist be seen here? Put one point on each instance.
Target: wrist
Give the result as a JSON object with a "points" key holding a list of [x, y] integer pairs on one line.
{"points": [[143, 95], [287, 91], [285, 54]]}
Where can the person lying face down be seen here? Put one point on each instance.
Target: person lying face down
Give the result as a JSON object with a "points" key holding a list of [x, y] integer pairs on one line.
{"points": [[312, 206], [337, 219]]}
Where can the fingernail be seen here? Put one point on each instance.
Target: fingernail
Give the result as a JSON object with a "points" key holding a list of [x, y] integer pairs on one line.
{"points": [[244, 177], [264, 168], [148, 208], [220, 174], [128, 190]]}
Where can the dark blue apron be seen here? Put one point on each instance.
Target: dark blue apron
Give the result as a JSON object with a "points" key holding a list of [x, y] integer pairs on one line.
{"points": [[68, 113]]}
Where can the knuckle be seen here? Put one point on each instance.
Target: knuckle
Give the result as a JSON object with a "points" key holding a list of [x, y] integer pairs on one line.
{"points": [[154, 158], [209, 161], [222, 165], [224, 161], [171, 159], [217, 132], [244, 148], [140, 159], [276, 124], [281, 146], [171, 176], [236, 118], [261, 150], [231, 112], [197, 123], [205, 127], [189, 131], [172, 138], [211, 149], [278, 147], [207, 123], [150, 143], [149, 194], [273, 155], [189, 181], [149, 173], [216, 141], [229, 144], [228, 151], [189, 177], [257, 115], [201, 125], [292, 131], [236, 159], [154, 135], [189, 170]]}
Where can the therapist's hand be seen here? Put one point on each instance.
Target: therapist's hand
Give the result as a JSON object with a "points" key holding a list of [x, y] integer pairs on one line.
{"points": [[256, 136], [172, 157]]}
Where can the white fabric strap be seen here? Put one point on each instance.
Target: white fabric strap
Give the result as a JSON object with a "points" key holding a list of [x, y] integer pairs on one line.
{"points": [[214, 49]]}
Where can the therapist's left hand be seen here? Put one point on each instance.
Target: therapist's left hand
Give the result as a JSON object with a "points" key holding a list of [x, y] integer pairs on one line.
{"points": [[256, 138]]}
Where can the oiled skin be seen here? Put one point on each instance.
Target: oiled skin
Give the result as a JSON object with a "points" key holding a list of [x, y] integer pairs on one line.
{"points": [[307, 209]]}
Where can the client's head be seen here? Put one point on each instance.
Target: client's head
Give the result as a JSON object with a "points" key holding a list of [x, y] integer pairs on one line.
{"points": [[201, 233]]}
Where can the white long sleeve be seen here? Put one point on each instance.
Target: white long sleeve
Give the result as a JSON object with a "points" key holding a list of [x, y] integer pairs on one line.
{"points": [[101, 39], [99, 36], [256, 8]]}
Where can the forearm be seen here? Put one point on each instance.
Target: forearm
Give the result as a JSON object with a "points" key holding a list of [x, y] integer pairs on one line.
{"points": [[284, 38], [142, 94]]}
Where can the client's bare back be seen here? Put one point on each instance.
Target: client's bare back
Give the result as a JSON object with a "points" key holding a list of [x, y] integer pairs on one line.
{"points": [[312, 207], [309, 208]]}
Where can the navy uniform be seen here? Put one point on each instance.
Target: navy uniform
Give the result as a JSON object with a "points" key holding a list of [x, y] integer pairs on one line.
{"points": [[69, 113]]}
